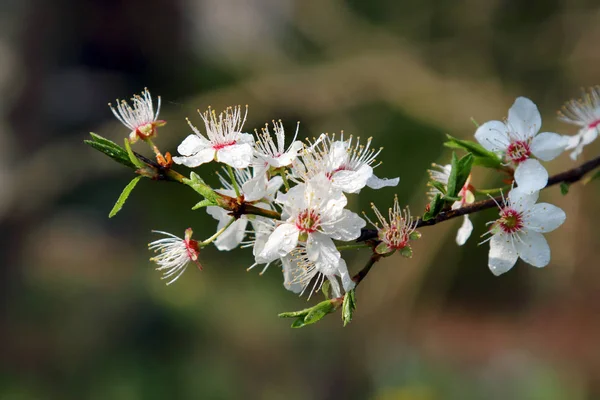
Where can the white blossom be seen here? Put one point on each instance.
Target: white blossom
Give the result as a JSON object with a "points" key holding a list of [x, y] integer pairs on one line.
{"points": [[314, 214], [518, 231], [584, 113], [347, 163], [272, 154], [224, 141], [141, 118], [255, 189], [299, 271], [517, 139], [441, 174], [174, 254]]}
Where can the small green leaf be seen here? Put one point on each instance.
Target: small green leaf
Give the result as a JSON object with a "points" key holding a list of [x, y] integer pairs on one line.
{"points": [[348, 307], [203, 203], [438, 185], [325, 288], [406, 252], [491, 159], [132, 156], [595, 176], [311, 315], [382, 248], [564, 188], [123, 197], [451, 199], [197, 183], [113, 151], [461, 168], [435, 206], [415, 235]]}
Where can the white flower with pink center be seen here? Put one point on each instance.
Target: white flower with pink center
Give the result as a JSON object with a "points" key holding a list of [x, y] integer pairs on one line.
{"points": [[313, 214], [271, 154], [140, 118], [441, 174], [517, 140], [175, 254], [584, 113], [346, 163], [224, 141], [518, 231]]}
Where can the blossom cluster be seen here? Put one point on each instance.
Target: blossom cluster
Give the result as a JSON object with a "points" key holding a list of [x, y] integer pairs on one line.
{"points": [[287, 199]]}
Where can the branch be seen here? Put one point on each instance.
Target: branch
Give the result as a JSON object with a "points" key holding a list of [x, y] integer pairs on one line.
{"points": [[570, 176]]}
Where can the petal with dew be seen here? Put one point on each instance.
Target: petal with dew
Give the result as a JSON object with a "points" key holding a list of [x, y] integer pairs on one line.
{"points": [[236, 155], [493, 135], [524, 118], [531, 176], [548, 145], [533, 248], [283, 240], [464, 232], [544, 217], [377, 183], [502, 255]]}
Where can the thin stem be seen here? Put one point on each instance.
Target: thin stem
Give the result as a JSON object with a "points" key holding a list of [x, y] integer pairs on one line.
{"points": [[283, 174], [353, 246], [363, 272], [233, 181], [491, 191], [216, 235]]}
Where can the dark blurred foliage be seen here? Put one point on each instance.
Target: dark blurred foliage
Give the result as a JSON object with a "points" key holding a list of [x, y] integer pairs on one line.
{"points": [[85, 315]]}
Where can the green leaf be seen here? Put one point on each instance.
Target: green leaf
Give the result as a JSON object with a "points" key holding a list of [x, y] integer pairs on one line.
{"points": [[435, 206], [595, 176], [564, 188], [325, 288], [113, 151], [491, 159], [132, 156], [204, 203], [406, 252], [197, 183], [123, 197], [438, 185], [348, 307], [311, 315], [382, 248], [459, 174]]}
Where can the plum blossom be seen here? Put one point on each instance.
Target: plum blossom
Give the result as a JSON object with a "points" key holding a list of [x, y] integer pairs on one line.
{"points": [[175, 254], [140, 118], [271, 154], [518, 231], [441, 174], [584, 113], [517, 139], [347, 163], [395, 231], [314, 214], [299, 271], [224, 141], [255, 189]]}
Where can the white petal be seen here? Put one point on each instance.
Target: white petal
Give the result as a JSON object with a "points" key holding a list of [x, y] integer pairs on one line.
{"points": [[338, 154], [502, 255], [246, 138], [218, 213], [464, 232], [347, 227], [547, 145], [544, 217], [533, 248], [531, 176], [202, 157], [255, 188], [192, 144], [493, 135], [290, 271], [283, 240], [524, 117], [352, 181], [321, 249], [377, 183], [237, 155], [522, 200], [233, 236], [342, 272]]}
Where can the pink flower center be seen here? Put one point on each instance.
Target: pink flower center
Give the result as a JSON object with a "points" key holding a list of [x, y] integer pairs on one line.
{"points": [[395, 238], [594, 124], [219, 146], [510, 220], [329, 175], [308, 221], [518, 151]]}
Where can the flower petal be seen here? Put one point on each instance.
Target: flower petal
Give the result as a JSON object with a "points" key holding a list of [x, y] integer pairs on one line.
{"points": [[533, 248], [524, 117], [283, 240], [547, 145], [377, 183], [233, 236], [347, 227], [347, 281], [531, 176], [291, 270], [493, 135], [502, 255], [236, 155], [544, 217], [201, 157], [321, 249], [352, 181], [192, 144], [522, 200], [464, 232]]}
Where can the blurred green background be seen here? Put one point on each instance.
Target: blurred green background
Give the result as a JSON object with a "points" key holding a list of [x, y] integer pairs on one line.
{"points": [[84, 314]]}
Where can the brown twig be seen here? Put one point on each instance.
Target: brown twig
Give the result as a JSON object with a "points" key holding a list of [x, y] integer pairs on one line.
{"points": [[570, 176]]}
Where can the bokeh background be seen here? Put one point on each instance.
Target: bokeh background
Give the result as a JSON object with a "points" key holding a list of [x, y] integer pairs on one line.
{"points": [[85, 316]]}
